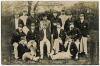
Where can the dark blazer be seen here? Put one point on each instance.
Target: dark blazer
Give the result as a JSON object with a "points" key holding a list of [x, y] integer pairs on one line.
{"points": [[28, 23], [32, 35], [73, 49], [83, 28], [74, 33], [21, 50], [16, 36], [67, 24], [55, 20], [48, 33], [33, 20], [61, 35]]}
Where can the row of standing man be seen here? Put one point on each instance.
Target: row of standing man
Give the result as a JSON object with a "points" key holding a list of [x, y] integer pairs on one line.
{"points": [[53, 30]]}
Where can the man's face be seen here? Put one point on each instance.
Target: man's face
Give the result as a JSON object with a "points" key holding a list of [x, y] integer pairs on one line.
{"points": [[24, 13], [62, 12], [58, 26], [71, 26], [32, 14], [20, 29], [82, 17], [17, 16], [70, 16], [32, 27], [45, 17], [44, 26], [54, 14]]}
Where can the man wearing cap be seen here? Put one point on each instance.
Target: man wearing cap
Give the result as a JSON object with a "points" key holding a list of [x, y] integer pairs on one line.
{"points": [[45, 35], [83, 26]]}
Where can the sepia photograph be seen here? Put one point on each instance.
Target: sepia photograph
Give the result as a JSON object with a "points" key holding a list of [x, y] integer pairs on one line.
{"points": [[50, 32]]}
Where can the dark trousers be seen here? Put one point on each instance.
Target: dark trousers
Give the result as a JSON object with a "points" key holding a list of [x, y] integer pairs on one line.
{"points": [[21, 50]]}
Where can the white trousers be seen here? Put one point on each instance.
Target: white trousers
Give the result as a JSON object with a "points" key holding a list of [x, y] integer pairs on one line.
{"points": [[15, 45], [56, 45], [77, 42], [83, 44], [42, 43], [30, 56], [32, 43], [61, 55], [67, 41]]}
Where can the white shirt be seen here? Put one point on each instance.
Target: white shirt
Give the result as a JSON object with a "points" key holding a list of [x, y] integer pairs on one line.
{"points": [[32, 31], [58, 30], [24, 18], [82, 20], [63, 19], [44, 34], [72, 25], [16, 23]]}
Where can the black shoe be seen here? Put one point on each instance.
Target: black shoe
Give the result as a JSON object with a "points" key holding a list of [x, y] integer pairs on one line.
{"points": [[86, 55], [50, 58], [81, 54]]}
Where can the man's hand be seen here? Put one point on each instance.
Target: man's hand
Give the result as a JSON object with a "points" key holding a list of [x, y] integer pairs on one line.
{"points": [[88, 36], [54, 24]]}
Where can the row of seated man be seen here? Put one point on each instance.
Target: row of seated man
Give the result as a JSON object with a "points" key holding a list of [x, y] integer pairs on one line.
{"points": [[29, 42]]}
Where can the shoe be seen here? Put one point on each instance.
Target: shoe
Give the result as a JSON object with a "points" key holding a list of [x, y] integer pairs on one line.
{"points": [[16, 58], [76, 58], [86, 55], [81, 54], [50, 58], [41, 57], [36, 59], [48, 55]]}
